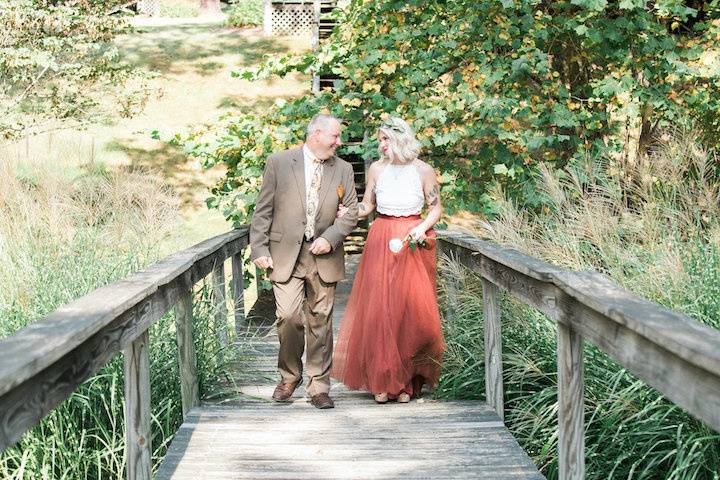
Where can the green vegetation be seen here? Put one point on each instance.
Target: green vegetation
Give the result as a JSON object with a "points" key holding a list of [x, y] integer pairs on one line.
{"points": [[493, 88], [82, 208], [59, 67], [666, 247], [179, 8], [245, 13], [66, 231]]}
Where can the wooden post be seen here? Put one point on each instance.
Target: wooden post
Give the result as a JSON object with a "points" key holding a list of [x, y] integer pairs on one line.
{"points": [[571, 421], [238, 292], [186, 352], [267, 18], [493, 349], [137, 409], [315, 88], [219, 304]]}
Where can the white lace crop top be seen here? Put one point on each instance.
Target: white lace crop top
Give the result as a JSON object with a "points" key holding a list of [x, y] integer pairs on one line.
{"points": [[398, 191]]}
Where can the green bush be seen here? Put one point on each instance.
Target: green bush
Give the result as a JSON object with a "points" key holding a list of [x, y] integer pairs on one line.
{"points": [[245, 13], [493, 88]]}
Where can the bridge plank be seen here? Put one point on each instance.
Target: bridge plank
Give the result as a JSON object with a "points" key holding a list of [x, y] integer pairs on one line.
{"points": [[246, 435]]}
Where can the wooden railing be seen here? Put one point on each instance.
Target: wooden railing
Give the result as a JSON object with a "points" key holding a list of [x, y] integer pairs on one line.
{"points": [[44, 363], [673, 353]]}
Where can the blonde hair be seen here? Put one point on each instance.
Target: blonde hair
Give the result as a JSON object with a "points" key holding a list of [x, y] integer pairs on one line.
{"points": [[402, 146]]}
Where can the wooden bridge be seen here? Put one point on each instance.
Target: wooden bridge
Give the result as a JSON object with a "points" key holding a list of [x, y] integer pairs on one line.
{"points": [[253, 438]]}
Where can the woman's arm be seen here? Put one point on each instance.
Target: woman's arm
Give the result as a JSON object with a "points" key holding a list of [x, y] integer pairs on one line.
{"points": [[367, 205], [431, 189]]}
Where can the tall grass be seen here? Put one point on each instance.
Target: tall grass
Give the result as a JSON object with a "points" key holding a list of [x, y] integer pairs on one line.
{"points": [[66, 229], [653, 226]]}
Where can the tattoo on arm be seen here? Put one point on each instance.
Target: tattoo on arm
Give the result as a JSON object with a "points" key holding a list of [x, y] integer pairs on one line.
{"points": [[362, 209], [432, 197]]}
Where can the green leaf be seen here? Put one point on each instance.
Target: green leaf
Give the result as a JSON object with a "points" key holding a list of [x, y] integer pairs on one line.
{"points": [[500, 169], [596, 5]]}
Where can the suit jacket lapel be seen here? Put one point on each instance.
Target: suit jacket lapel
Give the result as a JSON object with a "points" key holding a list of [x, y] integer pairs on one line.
{"points": [[328, 182], [298, 168]]}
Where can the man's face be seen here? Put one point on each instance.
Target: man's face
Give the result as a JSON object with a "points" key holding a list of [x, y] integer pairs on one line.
{"points": [[327, 140]]}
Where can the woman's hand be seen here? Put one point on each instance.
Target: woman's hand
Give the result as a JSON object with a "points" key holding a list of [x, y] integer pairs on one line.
{"points": [[418, 233], [342, 210]]}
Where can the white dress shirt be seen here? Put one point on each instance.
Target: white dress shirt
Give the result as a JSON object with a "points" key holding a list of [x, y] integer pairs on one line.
{"points": [[309, 159]]}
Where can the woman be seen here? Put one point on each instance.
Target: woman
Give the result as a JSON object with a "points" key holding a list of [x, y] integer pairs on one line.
{"points": [[390, 340]]}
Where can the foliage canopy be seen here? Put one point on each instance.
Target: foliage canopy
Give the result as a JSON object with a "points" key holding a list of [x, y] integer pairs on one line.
{"points": [[493, 87]]}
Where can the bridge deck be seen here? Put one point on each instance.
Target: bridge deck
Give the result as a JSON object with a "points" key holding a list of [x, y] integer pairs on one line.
{"points": [[242, 435]]}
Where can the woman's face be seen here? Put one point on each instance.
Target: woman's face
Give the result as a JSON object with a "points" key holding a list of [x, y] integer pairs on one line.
{"points": [[384, 142]]}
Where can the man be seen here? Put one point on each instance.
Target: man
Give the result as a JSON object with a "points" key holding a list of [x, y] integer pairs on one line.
{"points": [[296, 235]]}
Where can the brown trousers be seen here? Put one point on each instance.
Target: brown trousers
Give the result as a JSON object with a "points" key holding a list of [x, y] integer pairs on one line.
{"points": [[304, 306]]}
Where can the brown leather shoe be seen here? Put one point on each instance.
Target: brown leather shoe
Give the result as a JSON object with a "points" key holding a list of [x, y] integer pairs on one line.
{"points": [[284, 391], [322, 401]]}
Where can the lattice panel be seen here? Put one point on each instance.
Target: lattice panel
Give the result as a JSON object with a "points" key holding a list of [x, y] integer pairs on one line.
{"points": [[149, 7], [292, 19]]}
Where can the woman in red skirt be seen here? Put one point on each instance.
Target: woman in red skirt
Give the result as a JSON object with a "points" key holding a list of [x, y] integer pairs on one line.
{"points": [[390, 340]]}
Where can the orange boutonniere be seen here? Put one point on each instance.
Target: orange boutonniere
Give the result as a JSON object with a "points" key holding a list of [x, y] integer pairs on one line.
{"points": [[340, 191]]}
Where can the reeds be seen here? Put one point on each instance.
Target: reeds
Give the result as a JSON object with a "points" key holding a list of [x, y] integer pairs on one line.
{"points": [[653, 226], [67, 228]]}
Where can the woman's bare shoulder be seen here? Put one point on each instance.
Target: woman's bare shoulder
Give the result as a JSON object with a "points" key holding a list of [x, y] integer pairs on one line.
{"points": [[375, 168], [424, 168]]}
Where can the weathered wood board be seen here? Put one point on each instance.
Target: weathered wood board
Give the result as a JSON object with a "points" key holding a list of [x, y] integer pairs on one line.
{"points": [[247, 436]]}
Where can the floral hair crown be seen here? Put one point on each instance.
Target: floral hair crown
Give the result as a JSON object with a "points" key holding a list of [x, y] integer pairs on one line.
{"points": [[388, 124]]}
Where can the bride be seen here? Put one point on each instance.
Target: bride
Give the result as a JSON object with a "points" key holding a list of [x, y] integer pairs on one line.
{"points": [[390, 340]]}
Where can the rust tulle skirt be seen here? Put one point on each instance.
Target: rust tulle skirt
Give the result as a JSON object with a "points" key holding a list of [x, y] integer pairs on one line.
{"points": [[390, 336]]}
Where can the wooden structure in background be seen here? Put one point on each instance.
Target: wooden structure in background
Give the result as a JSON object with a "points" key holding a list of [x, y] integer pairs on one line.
{"points": [[150, 8], [293, 17]]}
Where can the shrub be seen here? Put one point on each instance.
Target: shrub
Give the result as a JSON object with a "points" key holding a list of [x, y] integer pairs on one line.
{"points": [[246, 13]]}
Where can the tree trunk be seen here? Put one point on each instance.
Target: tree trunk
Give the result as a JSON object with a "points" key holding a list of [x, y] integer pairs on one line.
{"points": [[210, 7]]}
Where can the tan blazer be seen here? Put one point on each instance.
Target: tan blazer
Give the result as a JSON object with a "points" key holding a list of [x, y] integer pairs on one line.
{"points": [[278, 224]]}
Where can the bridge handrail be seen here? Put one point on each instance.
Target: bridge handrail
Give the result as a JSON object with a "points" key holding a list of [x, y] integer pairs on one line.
{"points": [[672, 352], [42, 364]]}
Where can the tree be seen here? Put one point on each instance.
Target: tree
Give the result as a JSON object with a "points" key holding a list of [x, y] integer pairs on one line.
{"points": [[493, 88], [58, 66]]}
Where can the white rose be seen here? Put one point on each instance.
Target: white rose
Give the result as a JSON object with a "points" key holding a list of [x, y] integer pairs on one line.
{"points": [[395, 245]]}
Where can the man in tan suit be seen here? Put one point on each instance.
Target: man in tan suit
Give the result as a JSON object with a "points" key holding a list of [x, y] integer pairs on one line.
{"points": [[296, 235]]}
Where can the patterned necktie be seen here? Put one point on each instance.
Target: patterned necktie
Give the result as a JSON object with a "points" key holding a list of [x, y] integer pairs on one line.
{"points": [[313, 200]]}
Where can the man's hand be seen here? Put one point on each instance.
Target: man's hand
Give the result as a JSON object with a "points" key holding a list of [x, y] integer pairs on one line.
{"points": [[320, 246], [342, 210], [264, 262]]}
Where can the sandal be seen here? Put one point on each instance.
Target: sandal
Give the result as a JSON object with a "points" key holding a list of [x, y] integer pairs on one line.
{"points": [[381, 397]]}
